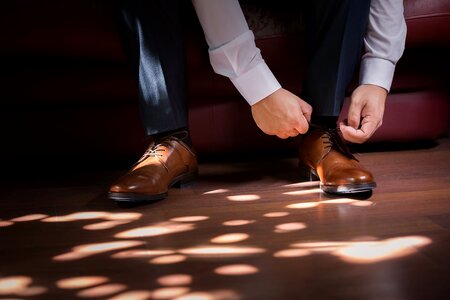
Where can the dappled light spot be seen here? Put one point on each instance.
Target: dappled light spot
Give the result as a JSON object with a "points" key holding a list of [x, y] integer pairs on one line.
{"points": [[365, 250], [196, 296], [304, 192], [175, 279], [348, 201], [105, 225], [371, 252], [303, 205], [238, 222], [87, 215], [218, 191], [211, 295], [14, 284], [141, 253], [288, 227], [292, 253], [123, 216], [103, 247], [303, 184], [90, 215], [230, 238], [410, 241], [32, 291], [80, 282], [362, 203], [133, 295], [276, 214], [6, 223], [211, 251], [20, 286], [102, 290], [168, 259], [169, 292], [83, 251], [339, 201], [320, 246], [244, 198], [71, 256], [56, 219], [190, 219], [32, 217], [364, 238], [156, 230], [236, 270]]}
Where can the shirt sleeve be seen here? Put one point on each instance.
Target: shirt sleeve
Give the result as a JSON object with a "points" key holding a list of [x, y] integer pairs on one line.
{"points": [[232, 49], [384, 42]]}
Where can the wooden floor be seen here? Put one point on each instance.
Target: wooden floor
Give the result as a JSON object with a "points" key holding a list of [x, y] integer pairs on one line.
{"points": [[243, 231]]}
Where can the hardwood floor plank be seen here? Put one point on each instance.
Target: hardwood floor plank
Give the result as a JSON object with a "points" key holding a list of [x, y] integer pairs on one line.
{"points": [[245, 230]]}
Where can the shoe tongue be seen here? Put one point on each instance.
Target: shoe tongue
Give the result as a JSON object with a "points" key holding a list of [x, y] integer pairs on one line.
{"points": [[182, 135], [339, 144], [321, 141]]}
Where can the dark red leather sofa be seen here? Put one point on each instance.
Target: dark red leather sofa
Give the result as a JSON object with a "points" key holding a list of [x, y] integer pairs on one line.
{"points": [[67, 91]]}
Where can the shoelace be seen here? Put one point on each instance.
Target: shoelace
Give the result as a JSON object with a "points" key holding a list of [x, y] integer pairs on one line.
{"points": [[153, 151], [333, 139]]}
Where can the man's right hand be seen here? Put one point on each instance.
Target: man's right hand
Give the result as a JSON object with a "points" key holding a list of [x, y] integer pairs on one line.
{"points": [[282, 114]]}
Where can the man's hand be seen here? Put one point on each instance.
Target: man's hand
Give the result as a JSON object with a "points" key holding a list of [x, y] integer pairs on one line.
{"points": [[365, 114], [282, 114]]}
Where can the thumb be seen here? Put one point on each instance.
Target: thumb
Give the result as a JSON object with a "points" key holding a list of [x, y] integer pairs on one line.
{"points": [[354, 114]]}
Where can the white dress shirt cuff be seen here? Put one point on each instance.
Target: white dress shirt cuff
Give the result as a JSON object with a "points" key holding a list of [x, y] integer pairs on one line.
{"points": [[256, 84], [241, 61], [377, 71]]}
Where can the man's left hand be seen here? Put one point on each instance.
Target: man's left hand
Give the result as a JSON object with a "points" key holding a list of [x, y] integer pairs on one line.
{"points": [[365, 114]]}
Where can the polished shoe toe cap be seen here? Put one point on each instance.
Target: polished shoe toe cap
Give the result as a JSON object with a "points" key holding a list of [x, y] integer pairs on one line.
{"points": [[349, 176], [137, 182]]}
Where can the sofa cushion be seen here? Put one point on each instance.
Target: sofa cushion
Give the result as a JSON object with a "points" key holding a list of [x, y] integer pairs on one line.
{"points": [[428, 22]]}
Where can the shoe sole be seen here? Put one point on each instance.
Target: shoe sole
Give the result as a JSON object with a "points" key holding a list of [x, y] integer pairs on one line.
{"points": [[181, 181], [308, 173], [348, 188]]}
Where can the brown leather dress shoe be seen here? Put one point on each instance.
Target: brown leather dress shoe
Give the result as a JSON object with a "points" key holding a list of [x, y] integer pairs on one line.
{"points": [[325, 155], [167, 163]]}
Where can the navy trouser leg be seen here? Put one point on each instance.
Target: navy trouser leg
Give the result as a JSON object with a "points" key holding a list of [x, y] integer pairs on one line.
{"points": [[335, 35], [152, 36]]}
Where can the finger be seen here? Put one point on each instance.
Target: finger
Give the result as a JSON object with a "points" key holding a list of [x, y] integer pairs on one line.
{"points": [[301, 125], [307, 110], [288, 133], [351, 134], [354, 113], [283, 136], [348, 133], [369, 128], [358, 135], [293, 133]]}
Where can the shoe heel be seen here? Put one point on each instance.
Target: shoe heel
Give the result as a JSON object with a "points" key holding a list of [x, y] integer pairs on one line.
{"points": [[186, 180], [307, 173]]}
